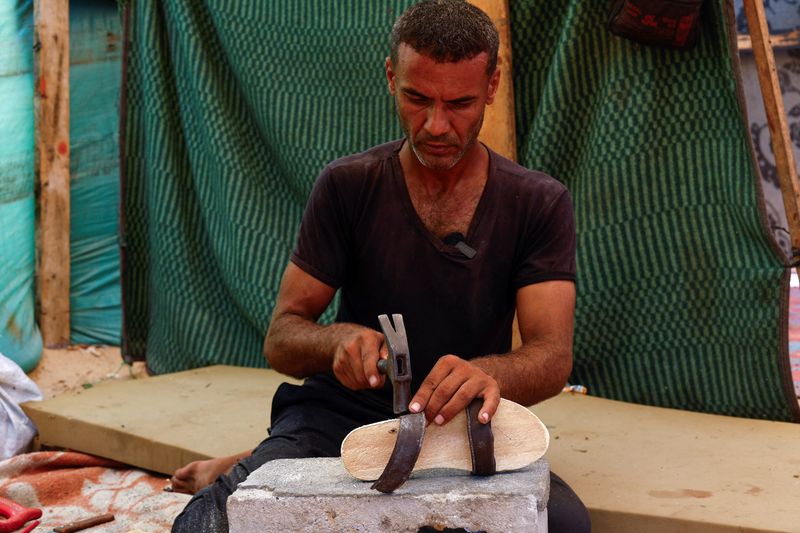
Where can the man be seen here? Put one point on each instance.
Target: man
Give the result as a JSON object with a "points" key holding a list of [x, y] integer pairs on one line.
{"points": [[438, 228]]}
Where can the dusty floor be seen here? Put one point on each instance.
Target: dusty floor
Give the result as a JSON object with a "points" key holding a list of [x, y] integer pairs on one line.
{"points": [[81, 366]]}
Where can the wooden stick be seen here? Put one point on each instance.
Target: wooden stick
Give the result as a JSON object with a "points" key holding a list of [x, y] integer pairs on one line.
{"points": [[776, 117], [51, 104], [79, 525]]}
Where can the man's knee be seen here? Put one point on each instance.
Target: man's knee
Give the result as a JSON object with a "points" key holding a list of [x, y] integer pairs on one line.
{"points": [[566, 513], [207, 510]]}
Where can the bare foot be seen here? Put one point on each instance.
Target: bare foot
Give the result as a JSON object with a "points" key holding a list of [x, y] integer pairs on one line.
{"points": [[198, 474]]}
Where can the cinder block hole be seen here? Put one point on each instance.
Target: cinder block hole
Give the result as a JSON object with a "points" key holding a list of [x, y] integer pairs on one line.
{"points": [[433, 529]]}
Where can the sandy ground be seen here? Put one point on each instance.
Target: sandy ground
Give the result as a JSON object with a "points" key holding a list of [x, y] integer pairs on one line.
{"points": [[81, 366]]}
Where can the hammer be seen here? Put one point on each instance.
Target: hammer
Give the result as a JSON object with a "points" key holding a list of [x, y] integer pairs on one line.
{"points": [[398, 365]]}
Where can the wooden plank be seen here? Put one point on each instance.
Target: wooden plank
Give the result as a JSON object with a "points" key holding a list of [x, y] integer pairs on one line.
{"points": [[783, 40], [776, 117], [640, 468], [51, 104], [164, 422]]}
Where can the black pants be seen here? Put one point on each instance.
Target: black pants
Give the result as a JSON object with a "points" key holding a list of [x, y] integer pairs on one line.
{"points": [[312, 421]]}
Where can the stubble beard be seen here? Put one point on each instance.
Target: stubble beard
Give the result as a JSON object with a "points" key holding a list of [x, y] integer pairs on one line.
{"points": [[439, 165]]}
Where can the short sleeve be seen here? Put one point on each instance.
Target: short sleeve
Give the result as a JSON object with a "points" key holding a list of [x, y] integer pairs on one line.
{"points": [[323, 240], [548, 249]]}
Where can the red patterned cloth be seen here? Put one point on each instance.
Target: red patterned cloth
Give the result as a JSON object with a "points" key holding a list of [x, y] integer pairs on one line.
{"points": [[69, 486], [794, 336]]}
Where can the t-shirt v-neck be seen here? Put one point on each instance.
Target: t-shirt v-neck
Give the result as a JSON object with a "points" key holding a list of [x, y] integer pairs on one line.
{"points": [[474, 225]]}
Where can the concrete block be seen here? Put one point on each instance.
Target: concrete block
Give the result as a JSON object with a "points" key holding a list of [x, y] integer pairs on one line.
{"points": [[313, 495]]}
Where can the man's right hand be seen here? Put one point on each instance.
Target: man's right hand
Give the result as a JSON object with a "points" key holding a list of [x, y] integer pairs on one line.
{"points": [[296, 345], [355, 360]]}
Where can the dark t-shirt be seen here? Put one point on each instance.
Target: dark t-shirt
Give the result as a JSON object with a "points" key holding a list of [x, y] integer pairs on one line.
{"points": [[360, 233]]}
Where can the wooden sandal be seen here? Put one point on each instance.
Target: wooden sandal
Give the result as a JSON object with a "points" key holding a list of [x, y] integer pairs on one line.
{"points": [[520, 439]]}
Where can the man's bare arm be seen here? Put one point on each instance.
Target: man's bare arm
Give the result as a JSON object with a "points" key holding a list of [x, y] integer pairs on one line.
{"points": [[539, 368], [297, 346], [532, 373]]}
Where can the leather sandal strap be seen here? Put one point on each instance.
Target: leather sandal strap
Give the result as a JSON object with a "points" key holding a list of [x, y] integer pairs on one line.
{"points": [[481, 441], [405, 453]]}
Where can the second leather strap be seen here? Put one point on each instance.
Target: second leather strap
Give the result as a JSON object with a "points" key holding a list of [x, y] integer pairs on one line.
{"points": [[481, 441]]}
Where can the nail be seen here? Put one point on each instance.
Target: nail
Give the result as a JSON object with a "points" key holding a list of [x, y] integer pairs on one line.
{"points": [[373, 381], [414, 407], [439, 420], [484, 417]]}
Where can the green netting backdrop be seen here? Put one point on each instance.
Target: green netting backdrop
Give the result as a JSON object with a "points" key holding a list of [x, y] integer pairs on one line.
{"points": [[679, 287], [232, 108]]}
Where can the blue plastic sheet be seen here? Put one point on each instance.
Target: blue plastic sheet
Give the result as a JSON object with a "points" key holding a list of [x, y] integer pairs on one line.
{"points": [[20, 340], [95, 74]]}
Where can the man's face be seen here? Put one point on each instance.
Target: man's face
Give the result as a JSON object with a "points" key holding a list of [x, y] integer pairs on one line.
{"points": [[440, 105]]}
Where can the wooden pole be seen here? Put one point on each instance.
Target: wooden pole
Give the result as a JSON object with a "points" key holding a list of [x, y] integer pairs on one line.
{"points": [[499, 127], [51, 104], [776, 117], [499, 131]]}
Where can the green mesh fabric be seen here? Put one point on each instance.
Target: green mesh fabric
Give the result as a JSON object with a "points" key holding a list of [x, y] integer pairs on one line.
{"points": [[679, 288], [232, 109]]}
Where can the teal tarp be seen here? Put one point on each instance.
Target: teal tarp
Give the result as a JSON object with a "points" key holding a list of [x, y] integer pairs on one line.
{"points": [[20, 340], [95, 71]]}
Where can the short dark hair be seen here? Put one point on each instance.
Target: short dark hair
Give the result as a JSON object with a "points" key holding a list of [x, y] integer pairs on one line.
{"points": [[447, 31]]}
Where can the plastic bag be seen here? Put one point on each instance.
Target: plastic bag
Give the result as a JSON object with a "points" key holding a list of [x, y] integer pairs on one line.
{"points": [[15, 426]]}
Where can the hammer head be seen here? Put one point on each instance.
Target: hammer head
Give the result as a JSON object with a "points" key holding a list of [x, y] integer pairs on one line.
{"points": [[398, 365]]}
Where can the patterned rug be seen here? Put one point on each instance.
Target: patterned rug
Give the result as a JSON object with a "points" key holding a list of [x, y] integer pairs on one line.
{"points": [[71, 486]]}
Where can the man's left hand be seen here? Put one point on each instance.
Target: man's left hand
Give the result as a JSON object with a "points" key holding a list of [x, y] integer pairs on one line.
{"points": [[450, 387]]}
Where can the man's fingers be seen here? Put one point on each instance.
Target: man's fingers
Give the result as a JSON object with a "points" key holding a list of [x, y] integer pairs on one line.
{"points": [[343, 369], [431, 382], [369, 365], [463, 397], [449, 388], [454, 391], [355, 361], [490, 403], [370, 353]]}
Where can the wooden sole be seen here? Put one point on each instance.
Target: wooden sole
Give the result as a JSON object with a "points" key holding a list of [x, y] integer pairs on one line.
{"points": [[520, 438]]}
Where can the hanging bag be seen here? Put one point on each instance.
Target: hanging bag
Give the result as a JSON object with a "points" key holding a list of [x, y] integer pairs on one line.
{"points": [[671, 23]]}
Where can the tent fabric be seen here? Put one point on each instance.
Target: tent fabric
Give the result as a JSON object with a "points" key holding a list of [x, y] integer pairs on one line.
{"points": [[20, 339], [95, 61], [95, 77], [230, 110], [681, 291]]}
